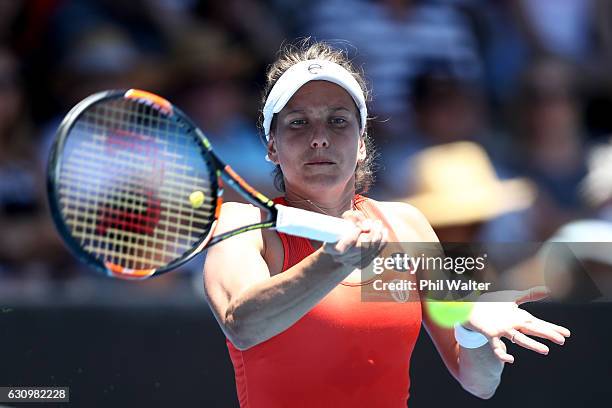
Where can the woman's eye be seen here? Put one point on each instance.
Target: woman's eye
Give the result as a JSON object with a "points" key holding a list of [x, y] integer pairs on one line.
{"points": [[338, 121], [298, 122]]}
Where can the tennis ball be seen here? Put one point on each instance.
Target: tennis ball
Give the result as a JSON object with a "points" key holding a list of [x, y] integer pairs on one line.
{"points": [[196, 199], [449, 313]]}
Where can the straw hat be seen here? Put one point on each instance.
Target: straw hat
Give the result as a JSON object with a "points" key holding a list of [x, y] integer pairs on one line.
{"points": [[456, 184]]}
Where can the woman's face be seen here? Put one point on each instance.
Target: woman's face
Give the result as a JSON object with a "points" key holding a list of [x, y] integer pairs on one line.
{"points": [[316, 139]]}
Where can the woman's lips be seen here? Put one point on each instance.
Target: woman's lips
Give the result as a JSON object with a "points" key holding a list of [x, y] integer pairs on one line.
{"points": [[320, 163]]}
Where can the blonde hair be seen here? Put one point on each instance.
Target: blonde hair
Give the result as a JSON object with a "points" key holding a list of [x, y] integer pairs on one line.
{"points": [[303, 50]]}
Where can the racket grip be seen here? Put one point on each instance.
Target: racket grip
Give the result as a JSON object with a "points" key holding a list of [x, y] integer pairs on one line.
{"points": [[311, 225]]}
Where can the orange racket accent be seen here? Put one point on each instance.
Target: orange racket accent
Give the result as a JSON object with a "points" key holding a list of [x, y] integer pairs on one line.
{"points": [[219, 196], [126, 273], [218, 209], [155, 100], [245, 185]]}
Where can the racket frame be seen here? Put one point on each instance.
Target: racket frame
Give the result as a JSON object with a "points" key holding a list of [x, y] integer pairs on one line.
{"points": [[222, 171]]}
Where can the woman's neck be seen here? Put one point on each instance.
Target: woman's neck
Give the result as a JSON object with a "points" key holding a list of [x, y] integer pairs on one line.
{"points": [[334, 204]]}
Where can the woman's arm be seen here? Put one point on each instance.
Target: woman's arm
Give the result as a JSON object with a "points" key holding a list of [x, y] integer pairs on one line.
{"points": [[495, 315], [479, 370], [249, 304]]}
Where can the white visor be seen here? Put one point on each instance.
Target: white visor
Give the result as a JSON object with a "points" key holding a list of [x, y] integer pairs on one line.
{"points": [[305, 71]]}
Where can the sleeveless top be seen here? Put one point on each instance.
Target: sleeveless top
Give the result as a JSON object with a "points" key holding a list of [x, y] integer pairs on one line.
{"points": [[344, 352]]}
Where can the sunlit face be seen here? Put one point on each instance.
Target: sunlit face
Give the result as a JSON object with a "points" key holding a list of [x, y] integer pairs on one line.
{"points": [[316, 138]]}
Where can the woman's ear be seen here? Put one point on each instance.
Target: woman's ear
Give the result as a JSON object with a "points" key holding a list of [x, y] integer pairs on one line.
{"points": [[362, 151], [272, 153]]}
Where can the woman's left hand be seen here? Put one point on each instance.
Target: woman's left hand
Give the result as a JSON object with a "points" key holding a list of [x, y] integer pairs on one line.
{"points": [[497, 315]]}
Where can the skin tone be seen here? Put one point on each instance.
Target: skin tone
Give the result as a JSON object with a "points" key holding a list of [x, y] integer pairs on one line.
{"points": [[252, 300], [317, 142]]}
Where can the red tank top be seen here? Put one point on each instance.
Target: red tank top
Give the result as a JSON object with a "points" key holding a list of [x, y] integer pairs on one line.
{"points": [[343, 353]]}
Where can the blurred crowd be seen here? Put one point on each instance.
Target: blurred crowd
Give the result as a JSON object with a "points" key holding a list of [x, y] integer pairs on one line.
{"points": [[491, 116]]}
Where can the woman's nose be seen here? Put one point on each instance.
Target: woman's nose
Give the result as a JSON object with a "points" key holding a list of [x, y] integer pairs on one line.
{"points": [[319, 138]]}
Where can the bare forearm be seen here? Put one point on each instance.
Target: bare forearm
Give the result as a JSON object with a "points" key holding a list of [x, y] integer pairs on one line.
{"points": [[270, 307], [479, 370]]}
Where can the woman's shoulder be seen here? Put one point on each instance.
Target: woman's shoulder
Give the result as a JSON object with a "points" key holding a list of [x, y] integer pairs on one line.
{"points": [[407, 212], [266, 241], [235, 214], [408, 215], [239, 208]]}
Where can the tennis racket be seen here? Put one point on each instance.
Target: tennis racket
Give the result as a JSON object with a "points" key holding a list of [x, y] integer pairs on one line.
{"points": [[135, 188]]}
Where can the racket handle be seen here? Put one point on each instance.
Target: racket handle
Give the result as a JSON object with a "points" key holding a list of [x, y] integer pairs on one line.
{"points": [[311, 225]]}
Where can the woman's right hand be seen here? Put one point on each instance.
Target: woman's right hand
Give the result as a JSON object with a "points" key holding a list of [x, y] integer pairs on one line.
{"points": [[360, 246]]}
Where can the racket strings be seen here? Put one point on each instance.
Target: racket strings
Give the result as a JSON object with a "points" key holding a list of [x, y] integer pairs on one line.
{"points": [[124, 186]]}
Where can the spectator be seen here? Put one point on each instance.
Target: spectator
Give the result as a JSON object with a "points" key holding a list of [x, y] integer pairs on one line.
{"points": [[576, 261], [446, 109], [395, 39], [458, 191], [551, 141], [29, 244]]}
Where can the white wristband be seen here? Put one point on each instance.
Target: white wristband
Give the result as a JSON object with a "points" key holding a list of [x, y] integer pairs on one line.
{"points": [[468, 338]]}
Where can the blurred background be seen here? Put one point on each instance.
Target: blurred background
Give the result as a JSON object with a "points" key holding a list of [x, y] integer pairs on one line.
{"points": [[493, 117]]}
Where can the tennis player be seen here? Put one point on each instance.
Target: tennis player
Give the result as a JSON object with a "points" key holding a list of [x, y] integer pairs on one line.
{"points": [[297, 330]]}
